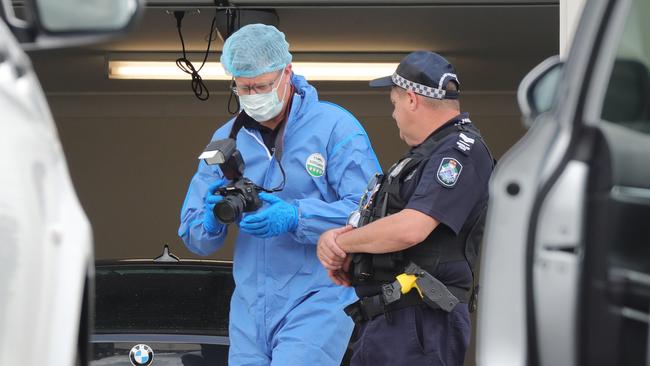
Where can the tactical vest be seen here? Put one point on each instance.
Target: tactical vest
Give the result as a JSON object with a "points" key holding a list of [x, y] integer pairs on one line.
{"points": [[441, 246]]}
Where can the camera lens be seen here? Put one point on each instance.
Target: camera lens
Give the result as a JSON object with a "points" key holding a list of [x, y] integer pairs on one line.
{"points": [[229, 209]]}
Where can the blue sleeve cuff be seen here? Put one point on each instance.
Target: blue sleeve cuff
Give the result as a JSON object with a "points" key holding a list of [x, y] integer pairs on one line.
{"points": [[212, 228]]}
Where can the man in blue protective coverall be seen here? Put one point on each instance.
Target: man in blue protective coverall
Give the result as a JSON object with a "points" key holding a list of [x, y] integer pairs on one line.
{"points": [[427, 211], [284, 310]]}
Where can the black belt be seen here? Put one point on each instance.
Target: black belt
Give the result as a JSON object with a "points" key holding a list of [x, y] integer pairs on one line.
{"points": [[368, 308]]}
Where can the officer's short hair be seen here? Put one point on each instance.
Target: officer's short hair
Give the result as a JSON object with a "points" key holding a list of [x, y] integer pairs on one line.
{"points": [[446, 103]]}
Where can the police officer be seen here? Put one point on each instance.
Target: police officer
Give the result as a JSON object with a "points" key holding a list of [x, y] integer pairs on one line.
{"points": [[427, 212]]}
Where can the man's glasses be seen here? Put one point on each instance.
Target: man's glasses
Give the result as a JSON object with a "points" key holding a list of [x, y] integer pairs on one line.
{"points": [[262, 88]]}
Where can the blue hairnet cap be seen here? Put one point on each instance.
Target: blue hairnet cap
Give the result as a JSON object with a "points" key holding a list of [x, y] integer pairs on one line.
{"points": [[255, 49]]}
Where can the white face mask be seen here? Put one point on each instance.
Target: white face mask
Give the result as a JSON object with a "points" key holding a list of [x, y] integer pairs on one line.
{"points": [[263, 107]]}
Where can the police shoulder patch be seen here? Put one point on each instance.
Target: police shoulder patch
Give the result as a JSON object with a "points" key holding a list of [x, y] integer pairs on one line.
{"points": [[449, 171]]}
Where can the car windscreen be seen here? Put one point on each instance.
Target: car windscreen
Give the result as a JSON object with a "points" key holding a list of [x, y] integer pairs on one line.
{"points": [[162, 299]]}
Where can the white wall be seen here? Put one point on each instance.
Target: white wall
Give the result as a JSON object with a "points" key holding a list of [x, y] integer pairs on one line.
{"points": [[570, 11]]}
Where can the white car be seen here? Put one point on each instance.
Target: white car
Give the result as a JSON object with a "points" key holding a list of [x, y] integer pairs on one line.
{"points": [[46, 263], [565, 273]]}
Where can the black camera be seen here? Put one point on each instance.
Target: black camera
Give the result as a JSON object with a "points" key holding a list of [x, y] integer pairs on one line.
{"points": [[238, 197], [241, 195]]}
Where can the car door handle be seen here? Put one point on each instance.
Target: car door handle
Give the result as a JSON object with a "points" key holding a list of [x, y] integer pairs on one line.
{"points": [[565, 248]]}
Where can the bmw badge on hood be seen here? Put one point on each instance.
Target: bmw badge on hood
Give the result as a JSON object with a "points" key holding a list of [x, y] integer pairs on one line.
{"points": [[141, 355]]}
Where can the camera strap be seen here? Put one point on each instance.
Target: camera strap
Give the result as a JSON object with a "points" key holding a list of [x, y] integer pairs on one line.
{"points": [[238, 124], [279, 138]]}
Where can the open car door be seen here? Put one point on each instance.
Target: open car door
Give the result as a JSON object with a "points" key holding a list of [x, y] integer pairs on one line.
{"points": [[566, 270], [614, 300]]}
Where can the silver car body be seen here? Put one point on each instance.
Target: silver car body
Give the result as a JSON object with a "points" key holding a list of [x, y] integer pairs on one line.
{"points": [[45, 235], [546, 270], [47, 263]]}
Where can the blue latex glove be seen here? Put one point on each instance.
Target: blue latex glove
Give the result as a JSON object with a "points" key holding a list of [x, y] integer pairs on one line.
{"points": [[210, 223], [277, 219]]}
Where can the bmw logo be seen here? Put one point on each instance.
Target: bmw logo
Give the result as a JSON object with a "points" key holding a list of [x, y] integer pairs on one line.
{"points": [[141, 355]]}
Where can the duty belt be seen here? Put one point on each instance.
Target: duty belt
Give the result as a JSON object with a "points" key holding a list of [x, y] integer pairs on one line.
{"points": [[368, 308], [444, 297]]}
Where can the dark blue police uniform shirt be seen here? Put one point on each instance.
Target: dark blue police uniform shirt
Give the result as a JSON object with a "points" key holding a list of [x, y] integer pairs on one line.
{"points": [[452, 199]]}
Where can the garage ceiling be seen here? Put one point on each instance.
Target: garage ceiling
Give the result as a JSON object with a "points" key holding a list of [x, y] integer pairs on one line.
{"points": [[492, 44]]}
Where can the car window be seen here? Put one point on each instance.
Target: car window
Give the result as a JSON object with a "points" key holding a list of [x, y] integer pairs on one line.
{"points": [[627, 99], [163, 299], [545, 90]]}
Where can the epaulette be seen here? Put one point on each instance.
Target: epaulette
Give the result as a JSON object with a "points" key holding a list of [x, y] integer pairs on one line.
{"points": [[464, 143]]}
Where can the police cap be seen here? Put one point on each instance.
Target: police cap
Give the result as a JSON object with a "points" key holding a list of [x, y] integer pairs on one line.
{"points": [[425, 73]]}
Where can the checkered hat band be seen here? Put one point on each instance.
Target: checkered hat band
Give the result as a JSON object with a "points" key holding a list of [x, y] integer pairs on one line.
{"points": [[427, 91]]}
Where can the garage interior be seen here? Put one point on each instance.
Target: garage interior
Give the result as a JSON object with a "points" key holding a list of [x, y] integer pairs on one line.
{"points": [[132, 145]]}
